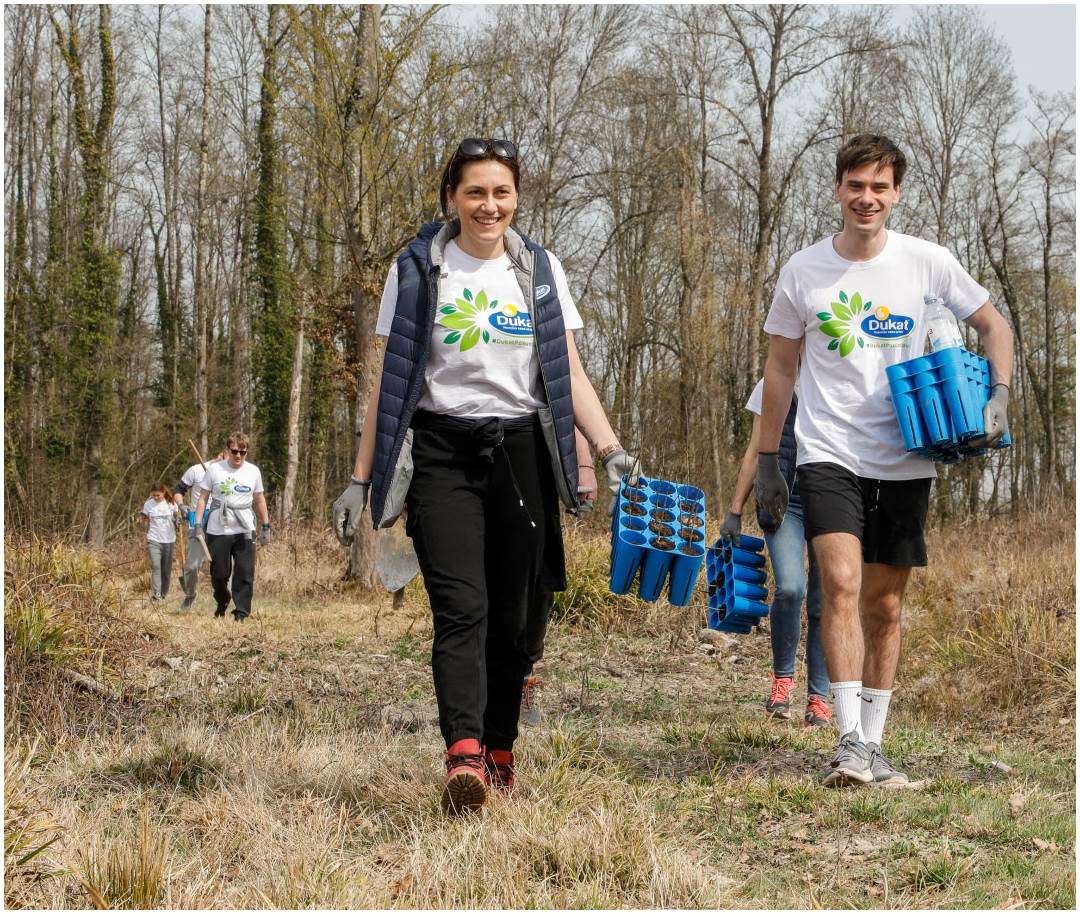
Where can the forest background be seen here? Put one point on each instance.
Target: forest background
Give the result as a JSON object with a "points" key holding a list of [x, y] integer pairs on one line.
{"points": [[202, 203]]}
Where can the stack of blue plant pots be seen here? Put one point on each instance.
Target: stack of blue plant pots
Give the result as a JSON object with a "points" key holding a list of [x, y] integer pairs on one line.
{"points": [[939, 400], [658, 529], [738, 596]]}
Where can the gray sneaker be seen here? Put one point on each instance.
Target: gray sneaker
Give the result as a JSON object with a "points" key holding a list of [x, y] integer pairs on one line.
{"points": [[886, 774], [851, 764]]}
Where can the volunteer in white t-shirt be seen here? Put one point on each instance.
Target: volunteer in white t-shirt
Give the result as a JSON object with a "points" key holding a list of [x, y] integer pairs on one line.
{"points": [[160, 515], [483, 500], [856, 301], [233, 490], [189, 485]]}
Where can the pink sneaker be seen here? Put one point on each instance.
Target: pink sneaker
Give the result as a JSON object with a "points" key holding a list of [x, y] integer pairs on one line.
{"points": [[817, 712], [778, 704]]}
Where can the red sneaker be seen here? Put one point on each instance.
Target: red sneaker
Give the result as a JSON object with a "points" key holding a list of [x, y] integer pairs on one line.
{"points": [[500, 768], [466, 778], [817, 712], [778, 704]]}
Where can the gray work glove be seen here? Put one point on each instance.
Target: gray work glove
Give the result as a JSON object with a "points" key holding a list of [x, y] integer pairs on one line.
{"points": [[995, 417], [348, 508], [264, 535], [200, 533], [770, 487], [731, 527], [584, 503], [618, 464]]}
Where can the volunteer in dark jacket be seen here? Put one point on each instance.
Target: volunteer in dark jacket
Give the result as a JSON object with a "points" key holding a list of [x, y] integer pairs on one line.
{"points": [[471, 426]]}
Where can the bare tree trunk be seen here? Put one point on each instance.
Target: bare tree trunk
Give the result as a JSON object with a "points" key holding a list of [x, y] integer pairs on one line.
{"points": [[293, 453], [201, 408]]}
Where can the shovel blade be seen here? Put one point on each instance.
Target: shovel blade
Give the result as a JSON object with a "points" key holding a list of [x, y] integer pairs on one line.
{"points": [[395, 559]]}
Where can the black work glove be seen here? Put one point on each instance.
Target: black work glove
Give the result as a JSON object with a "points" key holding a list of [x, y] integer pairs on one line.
{"points": [[731, 527], [770, 487]]}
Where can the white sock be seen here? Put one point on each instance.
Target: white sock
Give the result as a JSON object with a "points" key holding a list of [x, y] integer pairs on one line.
{"points": [[875, 708], [846, 706]]}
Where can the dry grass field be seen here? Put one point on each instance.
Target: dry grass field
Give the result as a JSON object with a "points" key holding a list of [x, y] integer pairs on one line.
{"points": [[160, 758]]}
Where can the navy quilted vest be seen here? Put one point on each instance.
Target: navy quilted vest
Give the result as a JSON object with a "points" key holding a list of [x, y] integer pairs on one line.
{"points": [[787, 455], [409, 344]]}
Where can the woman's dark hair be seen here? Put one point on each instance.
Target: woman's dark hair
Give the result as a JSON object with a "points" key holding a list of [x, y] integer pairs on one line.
{"points": [[472, 150], [869, 147]]}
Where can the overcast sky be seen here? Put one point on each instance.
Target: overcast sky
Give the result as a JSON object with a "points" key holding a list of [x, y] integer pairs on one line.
{"points": [[1042, 38]]}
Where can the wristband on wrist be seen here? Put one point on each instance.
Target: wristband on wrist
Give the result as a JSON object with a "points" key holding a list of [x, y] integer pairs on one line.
{"points": [[606, 452], [266, 526], [1002, 384]]}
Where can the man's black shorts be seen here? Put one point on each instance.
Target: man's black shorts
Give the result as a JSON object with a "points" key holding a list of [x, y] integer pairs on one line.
{"points": [[887, 515]]}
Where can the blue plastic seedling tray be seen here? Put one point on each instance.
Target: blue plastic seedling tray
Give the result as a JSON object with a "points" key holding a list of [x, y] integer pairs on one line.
{"points": [[658, 536], [735, 571], [939, 400]]}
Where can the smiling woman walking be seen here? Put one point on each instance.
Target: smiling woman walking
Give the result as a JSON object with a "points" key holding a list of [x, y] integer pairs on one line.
{"points": [[474, 433]]}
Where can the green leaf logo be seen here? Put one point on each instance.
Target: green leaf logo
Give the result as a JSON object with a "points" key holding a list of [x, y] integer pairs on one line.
{"points": [[842, 323], [467, 319]]}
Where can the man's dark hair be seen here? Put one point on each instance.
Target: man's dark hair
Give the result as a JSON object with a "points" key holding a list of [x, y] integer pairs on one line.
{"points": [[869, 147]]}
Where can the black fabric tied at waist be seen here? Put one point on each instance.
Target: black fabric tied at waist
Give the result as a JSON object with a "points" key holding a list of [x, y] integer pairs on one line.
{"points": [[487, 433]]}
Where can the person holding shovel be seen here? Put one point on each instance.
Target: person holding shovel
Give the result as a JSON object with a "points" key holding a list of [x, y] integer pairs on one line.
{"points": [[159, 516], [233, 489], [189, 485], [471, 427]]}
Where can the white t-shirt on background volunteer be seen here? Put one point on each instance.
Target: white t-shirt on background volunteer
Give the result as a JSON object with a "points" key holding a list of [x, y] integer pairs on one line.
{"points": [[162, 527], [235, 489], [483, 359], [753, 404], [845, 412], [192, 478]]}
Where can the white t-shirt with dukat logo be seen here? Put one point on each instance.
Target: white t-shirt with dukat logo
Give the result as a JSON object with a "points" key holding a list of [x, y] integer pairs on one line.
{"points": [[857, 318], [483, 359], [232, 497], [162, 517]]}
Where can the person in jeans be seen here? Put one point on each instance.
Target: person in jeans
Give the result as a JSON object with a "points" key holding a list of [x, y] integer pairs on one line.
{"points": [[233, 490], [471, 427], [189, 485], [159, 515], [787, 550]]}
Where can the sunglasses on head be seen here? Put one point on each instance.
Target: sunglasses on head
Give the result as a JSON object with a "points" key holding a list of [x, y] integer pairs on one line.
{"points": [[472, 147], [236, 452]]}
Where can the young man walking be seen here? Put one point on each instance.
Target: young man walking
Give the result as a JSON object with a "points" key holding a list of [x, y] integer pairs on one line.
{"points": [[233, 488], [189, 485], [857, 300]]}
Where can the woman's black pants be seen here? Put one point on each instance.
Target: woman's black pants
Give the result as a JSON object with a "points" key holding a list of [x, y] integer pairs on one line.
{"points": [[489, 564]]}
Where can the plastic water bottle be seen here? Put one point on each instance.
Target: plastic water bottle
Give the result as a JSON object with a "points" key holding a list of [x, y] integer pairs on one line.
{"points": [[942, 330]]}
